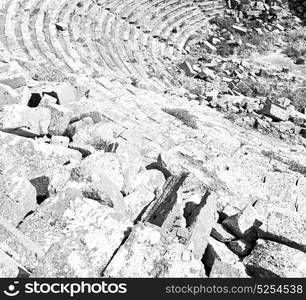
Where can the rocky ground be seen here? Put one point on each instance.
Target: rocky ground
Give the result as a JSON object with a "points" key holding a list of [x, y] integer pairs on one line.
{"points": [[162, 145]]}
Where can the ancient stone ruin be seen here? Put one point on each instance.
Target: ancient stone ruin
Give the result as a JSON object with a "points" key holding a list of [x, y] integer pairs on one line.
{"points": [[152, 138]]}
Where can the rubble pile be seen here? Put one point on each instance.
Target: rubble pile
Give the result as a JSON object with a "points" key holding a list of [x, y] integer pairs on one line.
{"points": [[109, 171], [252, 94]]}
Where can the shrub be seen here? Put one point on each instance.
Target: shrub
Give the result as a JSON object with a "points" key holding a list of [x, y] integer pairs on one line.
{"points": [[183, 115]]}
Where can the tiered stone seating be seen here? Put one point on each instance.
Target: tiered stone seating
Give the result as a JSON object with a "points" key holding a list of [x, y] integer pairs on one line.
{"points": [[126, 39]]}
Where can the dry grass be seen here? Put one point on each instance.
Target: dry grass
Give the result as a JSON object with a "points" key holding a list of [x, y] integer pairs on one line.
{"points": [[183, 115]]}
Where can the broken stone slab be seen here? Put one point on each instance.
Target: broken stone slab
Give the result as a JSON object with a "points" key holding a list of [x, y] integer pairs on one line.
{"points": [[276, 112], [64, 93], [14, 81], [270, 259], [187, 68], [137, 201], [209, 47], [200, 219], [69, 226], [9, 268], [99, 135], [18, 246], [59, 140], [285, 228], [240, 247], [218, 251], [79, 126], [132, 162], [221, 269], [17, 198], [239, 29], [115, 165], [99, 176], [221, 234], [60, 116], [32, 159], [24, 121], [85, 150], [8, 95], [151, 179], [146, 253], [243, 224], [159, 213]]}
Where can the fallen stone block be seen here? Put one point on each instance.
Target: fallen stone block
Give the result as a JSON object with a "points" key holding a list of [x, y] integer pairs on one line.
{"points": [[100, 135], [146, 253], [200, 219], [33, 159], [218, 251], [19, 247], [64, 93], [8, 95], [276, 112], [219, 233], [187, 68], [209, 47], [67, 227], [240, 247], [239, 29], [151, 179], [270, 259], [221, 269], [9, 268], [284, 228], [25, 121], [61, 26], [244, 224], [137, 201], [60, 140], [17, 198], [60, 118]]}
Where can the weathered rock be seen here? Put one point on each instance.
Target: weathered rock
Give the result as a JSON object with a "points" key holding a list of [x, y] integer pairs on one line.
{"points": [[71, 224], [31, 159], [100, 135], [60, 118], [221, 269], [275, 112], [240, 247], [187, 68], [219, 233], [132, 163], [101, 173], [243, 224], [17, 198], [25, 121], [147, 254], [8, 95], [9, 268], [137, 201], [151, 179], [63, 92], [217, 250], [14, 81], [18, 246], [60, 140], [270, 259], [285, 228], [200, 219]]}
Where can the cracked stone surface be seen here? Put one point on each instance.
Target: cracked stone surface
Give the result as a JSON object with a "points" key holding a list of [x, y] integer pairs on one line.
{"points": [[168, 144]]}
